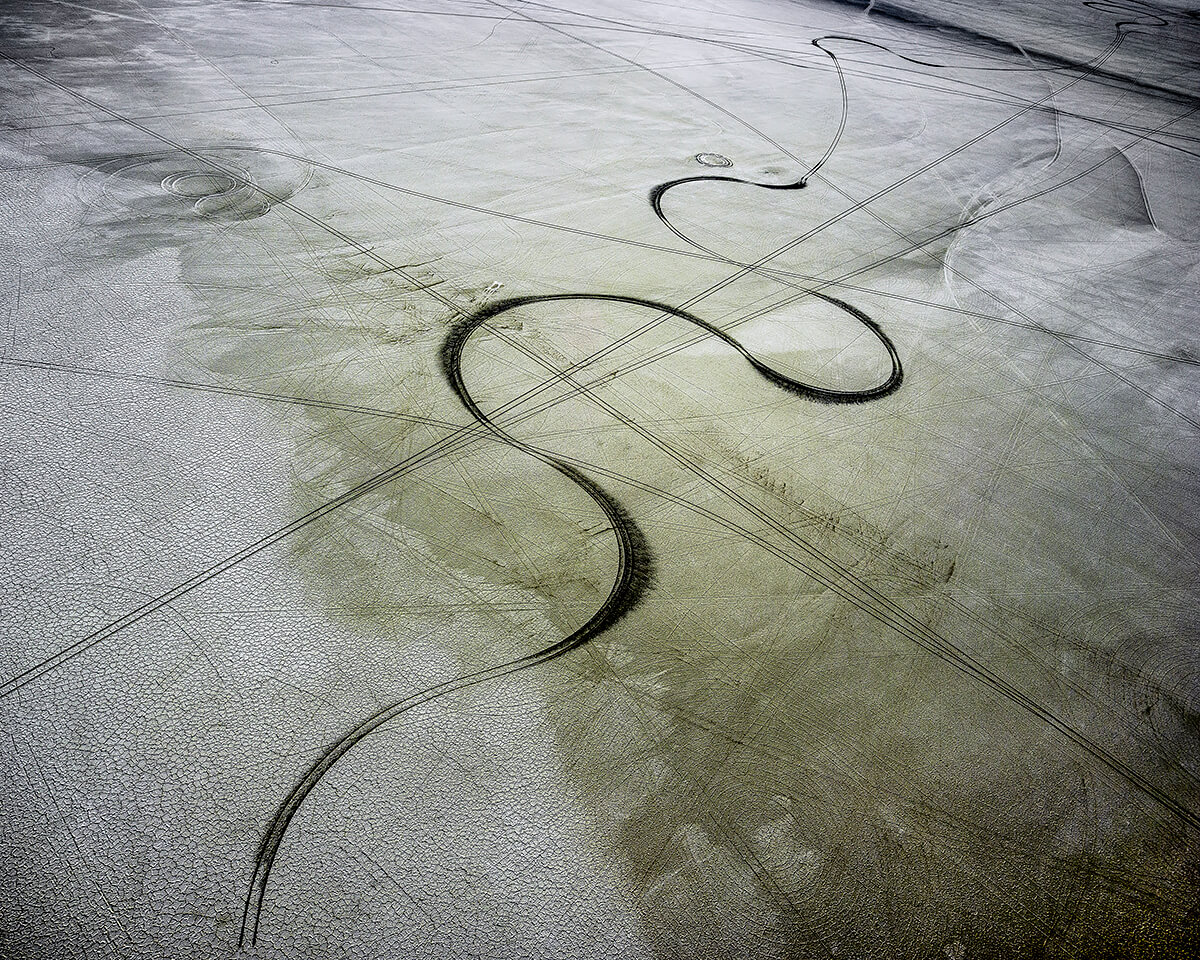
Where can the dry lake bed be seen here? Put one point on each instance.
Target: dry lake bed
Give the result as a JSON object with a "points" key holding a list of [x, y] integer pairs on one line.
{"points": [[567, 479]]}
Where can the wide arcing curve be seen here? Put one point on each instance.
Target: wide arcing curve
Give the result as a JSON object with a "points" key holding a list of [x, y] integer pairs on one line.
{"points": [[635, 568]]}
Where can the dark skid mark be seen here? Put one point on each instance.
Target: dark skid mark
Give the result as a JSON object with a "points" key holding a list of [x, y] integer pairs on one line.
{"points": [[635, 564]]}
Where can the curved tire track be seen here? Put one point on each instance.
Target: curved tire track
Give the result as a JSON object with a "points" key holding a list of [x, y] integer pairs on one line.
{"points": [[635, 565]]}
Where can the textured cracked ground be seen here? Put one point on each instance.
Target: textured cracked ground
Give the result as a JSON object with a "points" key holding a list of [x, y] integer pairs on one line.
{"points": [[505, 479]]}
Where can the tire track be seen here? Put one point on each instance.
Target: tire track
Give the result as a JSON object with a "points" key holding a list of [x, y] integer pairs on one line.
{"points": [[635, 563]]}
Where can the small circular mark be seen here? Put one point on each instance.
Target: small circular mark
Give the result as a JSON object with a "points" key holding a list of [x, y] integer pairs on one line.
{"points": [[713, 160], [194, 186]]}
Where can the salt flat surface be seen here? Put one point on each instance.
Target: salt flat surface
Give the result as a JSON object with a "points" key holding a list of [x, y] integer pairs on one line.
{"points": [[500, 479]]}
